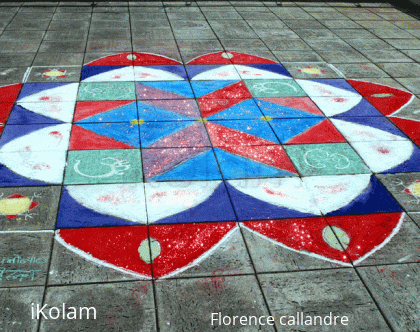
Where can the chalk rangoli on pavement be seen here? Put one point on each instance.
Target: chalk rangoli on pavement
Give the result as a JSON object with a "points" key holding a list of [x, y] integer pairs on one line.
{"points": [[185, 155]]}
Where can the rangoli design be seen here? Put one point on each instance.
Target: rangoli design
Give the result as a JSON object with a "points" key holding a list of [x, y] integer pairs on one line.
{"points": [[160, 161]]}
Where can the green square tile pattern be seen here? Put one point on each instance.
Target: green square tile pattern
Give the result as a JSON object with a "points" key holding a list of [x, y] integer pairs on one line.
{"points": [[107, 91], [326, 159], [103, 166], [274, 88]]}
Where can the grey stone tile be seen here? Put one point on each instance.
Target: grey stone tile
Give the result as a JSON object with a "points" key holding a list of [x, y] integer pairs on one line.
{"points": [[244, 44], [260, 24], [109, 34], [412, 84], [319, 293], [229, 258], [399, 186], [222, 15], [40, 74], [36, 211], [16, 304], [391, 33], [19, 47], [303, 24], [13, 35], [280, 33], [81, 8], [414, 33], [91, 56], [16, 59], [231, 296], [12, 74], [194, 33], [402, 248], [297, 56], [386, 56], [71, 46], [318, 70], [363, 16], [24, 258], [138, 25], [328, 15], [396, 16], [254, 15], [72, 16], [127, 306], [209, 44], [270, 257], [376, 24], [98, 17], [353, 33], [69, 25], [176, 25], [348, 56], [234, 29], [66, 35], [360, 70], [401, 69], [329, 44], [415, 217], [280, 44], [408, 25], [27, 24], [144, 16], [58, 59], [152, 34], [396, 289], [100, 9], [68, 267], [37, 9], [285, 13], [314, 34], [110, 25], [340, 24], [185, 16], [405, 44], [410, 111], [369, 44], [100, 45], [413, 54]]}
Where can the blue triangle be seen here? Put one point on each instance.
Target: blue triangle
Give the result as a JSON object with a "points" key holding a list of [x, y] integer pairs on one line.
{"points": [[20, 115], [411, 165], [72, 214], [175, 69], [202, 167], [274, 68], [124, 113], [11, 179], [32, 88], [250, 208], [247, 109], [202, 88], [280, 111], [286, 129], [215, 208], [258, 128], [89, 71], [364, 108], [152, 113], [150, 132], [122, 132], [373, 200], [238, 167], [182, 88]]}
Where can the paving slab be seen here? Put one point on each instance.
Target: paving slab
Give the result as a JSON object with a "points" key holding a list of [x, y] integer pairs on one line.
{"points": [[395, 289], [25, 257], [133, 299], [323, 296]]}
